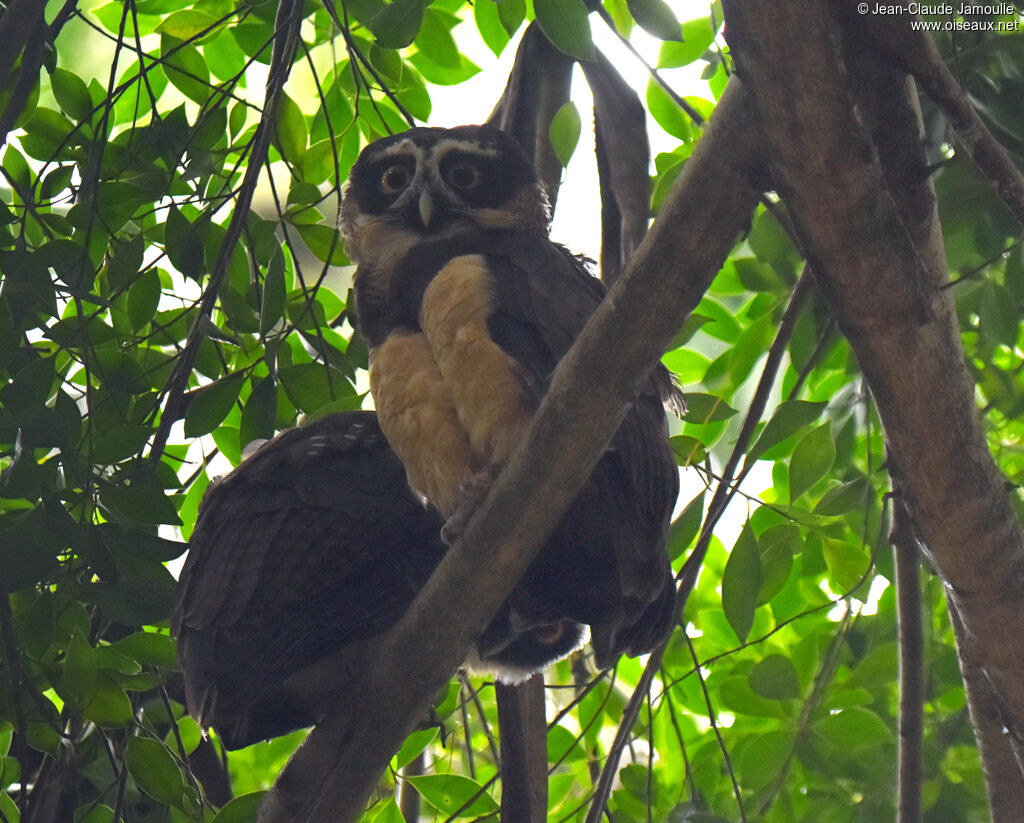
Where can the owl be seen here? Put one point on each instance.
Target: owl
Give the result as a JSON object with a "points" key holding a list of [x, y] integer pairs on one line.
{"points": [[301, 558], [467, 306]]}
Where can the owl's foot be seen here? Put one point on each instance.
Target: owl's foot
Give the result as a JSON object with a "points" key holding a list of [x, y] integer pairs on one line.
{"points": [[471, 495]]}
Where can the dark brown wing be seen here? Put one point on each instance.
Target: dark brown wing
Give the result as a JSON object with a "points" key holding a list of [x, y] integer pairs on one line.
{"points": [[610, 547], [300, 558], [309, 547]]}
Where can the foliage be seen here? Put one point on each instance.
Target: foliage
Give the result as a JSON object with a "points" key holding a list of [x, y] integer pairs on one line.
{"points": [[125, 286]]}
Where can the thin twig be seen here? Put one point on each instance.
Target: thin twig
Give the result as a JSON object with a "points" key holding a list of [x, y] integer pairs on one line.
{"points": [[286, 34]]}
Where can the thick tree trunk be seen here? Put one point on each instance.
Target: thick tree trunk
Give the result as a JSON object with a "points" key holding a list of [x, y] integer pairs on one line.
{"points": [[871, 230]]}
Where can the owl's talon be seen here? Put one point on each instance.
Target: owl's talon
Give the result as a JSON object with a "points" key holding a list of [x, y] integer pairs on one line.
{"points": [[471, 495]]}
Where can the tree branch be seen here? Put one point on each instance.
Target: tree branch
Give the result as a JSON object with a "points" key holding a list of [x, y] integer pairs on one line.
{"points": [[523, 734], [915, 51], [907, 580], [867, 219], [331, 775]]}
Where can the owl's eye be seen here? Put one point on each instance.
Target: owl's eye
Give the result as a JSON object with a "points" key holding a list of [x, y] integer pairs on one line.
{"points": [[463, 176], [394, 179]]}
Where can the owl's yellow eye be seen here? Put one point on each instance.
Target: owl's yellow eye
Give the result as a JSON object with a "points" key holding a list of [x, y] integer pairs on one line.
{"points": [[394, 179], [463, 176]]}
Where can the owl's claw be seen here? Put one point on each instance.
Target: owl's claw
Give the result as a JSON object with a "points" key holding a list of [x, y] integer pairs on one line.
{"points": [[471, 495]]}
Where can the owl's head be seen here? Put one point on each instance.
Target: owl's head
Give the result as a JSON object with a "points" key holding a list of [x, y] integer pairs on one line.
{"points": [[435, 182]]}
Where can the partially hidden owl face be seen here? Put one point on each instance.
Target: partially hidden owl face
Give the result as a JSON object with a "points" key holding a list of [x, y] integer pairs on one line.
{"points": [[430, 182]]}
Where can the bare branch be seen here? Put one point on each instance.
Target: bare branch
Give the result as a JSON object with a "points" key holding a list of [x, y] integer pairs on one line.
{"points": [[911, 642], [523, 734]]}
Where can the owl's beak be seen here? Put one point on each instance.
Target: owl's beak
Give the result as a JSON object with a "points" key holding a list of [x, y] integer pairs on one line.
{"points": [[426, 207]]}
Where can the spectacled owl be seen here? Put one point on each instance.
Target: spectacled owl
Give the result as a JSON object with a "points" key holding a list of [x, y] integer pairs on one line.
{"points": [[467, 306], [300, 559]]}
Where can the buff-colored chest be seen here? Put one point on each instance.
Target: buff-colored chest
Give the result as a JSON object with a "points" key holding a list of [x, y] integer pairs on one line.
{"points": [[448, 397]]}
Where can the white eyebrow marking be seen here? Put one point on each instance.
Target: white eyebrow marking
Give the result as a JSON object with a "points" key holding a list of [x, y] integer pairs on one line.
{"points": [[404, 147], [442, 147]]}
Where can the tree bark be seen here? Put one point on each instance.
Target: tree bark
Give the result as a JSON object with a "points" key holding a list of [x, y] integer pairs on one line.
{"points": [[523, 733], [876, 246], [336, 769]]}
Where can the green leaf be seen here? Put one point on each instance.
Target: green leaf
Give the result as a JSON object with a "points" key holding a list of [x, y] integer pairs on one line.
{"points": [[655, 17], [211, 404], [144, 298], [567, 25], [442, 75], [324, 242], [79, 672], [687, 450], [788, 419], [139, 504], [184, 245], [685, 527], [131, 603], [108, 705], [120, 443], [775, 678], [260, 413], [697, 37], [741, 581], [846, 563], [778, 544], [388, 812], [812, 458], [760, 762], [150, 649], [240, 810], [488, 23], [854, 730], [706, 408], [155, 771], [398, 23], [565, 131], [72, 94], [413, 745], [91, 813], [758, 276], [312, 385], [843, 498], [449, 793], [436, 42], [126, 261], [1000, 318], [186, 23], [186, 69], [511, 13], [274, 293], [667, 113], [290, 131]]}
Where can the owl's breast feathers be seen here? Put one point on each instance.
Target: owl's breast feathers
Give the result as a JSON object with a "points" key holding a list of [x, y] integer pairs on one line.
{"points": [[465, 333]]}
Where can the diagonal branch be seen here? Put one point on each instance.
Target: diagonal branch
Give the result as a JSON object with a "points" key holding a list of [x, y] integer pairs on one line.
{"points": [[333, 773]]}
